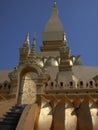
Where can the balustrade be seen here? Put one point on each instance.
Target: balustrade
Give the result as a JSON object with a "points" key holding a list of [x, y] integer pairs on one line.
{"points": [[71, 85]]}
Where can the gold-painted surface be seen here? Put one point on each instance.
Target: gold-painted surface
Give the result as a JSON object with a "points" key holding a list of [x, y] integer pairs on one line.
{"points": [[70, 119], [84, 119], [94, 118], [94, 113], [45, 117], [59, 115]]}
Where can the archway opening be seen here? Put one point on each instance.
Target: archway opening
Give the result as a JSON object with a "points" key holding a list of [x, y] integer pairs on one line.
{"points": [[27, 87]]}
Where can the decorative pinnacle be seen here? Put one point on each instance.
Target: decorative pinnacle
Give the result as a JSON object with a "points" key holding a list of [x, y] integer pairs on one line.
{"points": [[33, 50], [54, 3], [27, 38], [26, 42], [34, 40], [64, 36]]}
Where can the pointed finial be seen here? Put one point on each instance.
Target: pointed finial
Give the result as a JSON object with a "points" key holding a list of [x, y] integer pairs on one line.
{"points": [[54, 3], [34, 40], [33, 49], [27, 39], [64, 36]]}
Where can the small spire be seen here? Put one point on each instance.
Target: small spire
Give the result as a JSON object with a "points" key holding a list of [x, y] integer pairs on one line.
{"points": [[33, 49], [64, 36], [27, 37], [54, 3], [34, 40], [27, 41]]}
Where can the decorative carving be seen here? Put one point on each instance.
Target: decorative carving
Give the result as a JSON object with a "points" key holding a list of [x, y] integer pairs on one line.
{"points": [[13, 75], [27, 90]]}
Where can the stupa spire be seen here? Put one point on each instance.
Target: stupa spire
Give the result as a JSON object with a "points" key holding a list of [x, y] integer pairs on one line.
{"points": [[34, 45], [54, 3], [27, 41], [25, 50], [34, 40], [33, 49], [53, 31]]}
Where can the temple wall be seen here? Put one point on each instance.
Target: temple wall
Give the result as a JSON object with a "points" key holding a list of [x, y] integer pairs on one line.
{"points": [[45, 117], [94, 115], [84, 119], [28, 96], [68, 116], [59, 116]]}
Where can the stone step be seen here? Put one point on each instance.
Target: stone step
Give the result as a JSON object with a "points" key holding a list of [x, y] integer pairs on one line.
{"points": [[13, 113], [8, 123], [10, 119], [7, 127]]}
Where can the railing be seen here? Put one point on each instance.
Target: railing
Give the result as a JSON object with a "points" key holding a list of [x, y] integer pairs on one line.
{"points": [[52, 85]]}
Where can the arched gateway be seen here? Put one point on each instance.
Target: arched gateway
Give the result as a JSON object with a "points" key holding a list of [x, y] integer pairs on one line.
{"points": [[28, 88]]}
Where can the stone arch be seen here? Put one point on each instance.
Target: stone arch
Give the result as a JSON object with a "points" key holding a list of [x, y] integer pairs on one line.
{"points": [[51, 84], [5, 84], [24, 69], [91, 83], [27, 84], [95, 78]]}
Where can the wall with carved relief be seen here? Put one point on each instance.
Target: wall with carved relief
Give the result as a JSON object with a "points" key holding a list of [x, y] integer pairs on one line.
{"points": [[28, 88]]}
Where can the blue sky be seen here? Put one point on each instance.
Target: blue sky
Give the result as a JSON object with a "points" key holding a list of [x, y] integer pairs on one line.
{"points": [[18, 17]]}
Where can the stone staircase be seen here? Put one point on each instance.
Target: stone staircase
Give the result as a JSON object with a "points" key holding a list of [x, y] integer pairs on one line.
{"points": [[10, 119]]}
